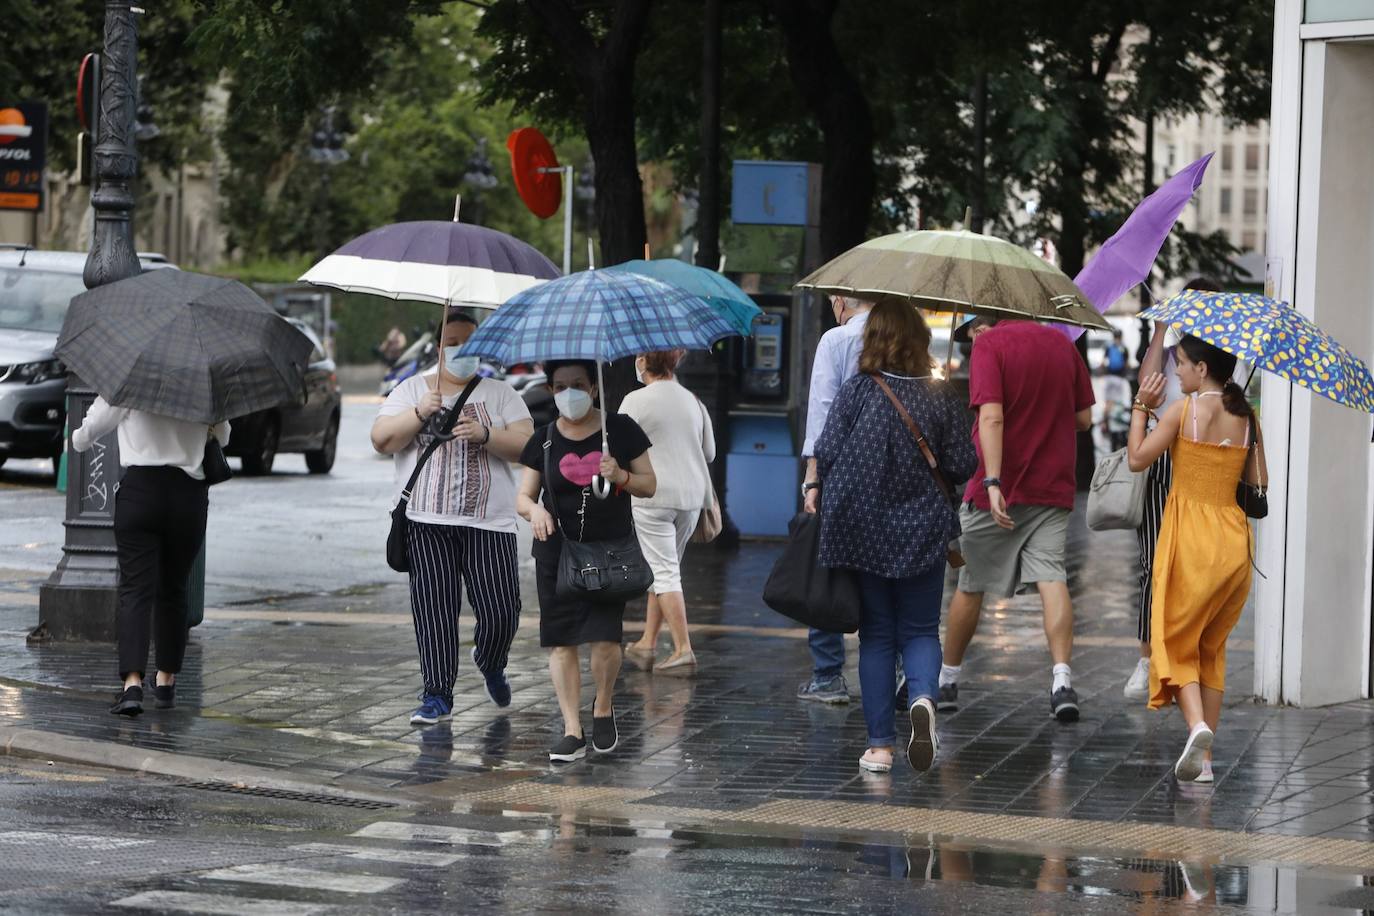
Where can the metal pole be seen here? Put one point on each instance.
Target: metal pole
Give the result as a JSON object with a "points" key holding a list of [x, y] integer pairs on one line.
{"points": [[78, 601], [601, 487], [567, 219]]}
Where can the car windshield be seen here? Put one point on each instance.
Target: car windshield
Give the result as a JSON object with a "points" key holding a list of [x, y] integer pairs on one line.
{"points": [[36, 300]]}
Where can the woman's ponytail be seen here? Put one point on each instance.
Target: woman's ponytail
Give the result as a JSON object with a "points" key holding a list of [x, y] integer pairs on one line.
{"points": [[1234, 400]]}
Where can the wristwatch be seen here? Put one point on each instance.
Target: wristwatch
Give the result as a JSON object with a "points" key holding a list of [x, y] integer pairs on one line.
{"points": [[809, 486], [990, 482]]}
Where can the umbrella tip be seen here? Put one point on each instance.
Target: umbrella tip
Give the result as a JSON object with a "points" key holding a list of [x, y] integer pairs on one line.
{"points": [[968, 219], [457, 205]]}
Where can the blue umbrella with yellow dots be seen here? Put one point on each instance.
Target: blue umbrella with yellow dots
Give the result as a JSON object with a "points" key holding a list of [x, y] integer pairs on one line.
{"points": [[1273, 336]]}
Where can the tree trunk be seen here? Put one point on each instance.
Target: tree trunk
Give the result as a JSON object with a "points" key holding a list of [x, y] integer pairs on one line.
{"points": [[978, 193], [837, 101], [708, 194]]}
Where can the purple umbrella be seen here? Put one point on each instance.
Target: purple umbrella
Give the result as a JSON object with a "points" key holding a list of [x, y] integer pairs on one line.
{"points": [[433, 261], [1125, 259]]}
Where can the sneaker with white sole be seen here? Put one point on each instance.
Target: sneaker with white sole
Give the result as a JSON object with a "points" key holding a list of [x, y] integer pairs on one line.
{"points": [[1138, 686], [1189, 765], [832, 691], [432, 711], [568, 749], [1206, 777], [948, 701], [1064, 704], [924, 743]]}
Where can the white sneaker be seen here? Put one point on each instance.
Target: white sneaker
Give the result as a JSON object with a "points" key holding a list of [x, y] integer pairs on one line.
{"points": [[924, 743], [1189, 765], [1138, 687]]}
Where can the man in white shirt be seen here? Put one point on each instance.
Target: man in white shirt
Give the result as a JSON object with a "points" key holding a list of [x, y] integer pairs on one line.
{"points": [[462, 516], [837, 358]]}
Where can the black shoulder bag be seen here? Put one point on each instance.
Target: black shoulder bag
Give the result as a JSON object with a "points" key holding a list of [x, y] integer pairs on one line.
{"points": [[213, 464], [606, 572], [397, 554], [1253, 498]]}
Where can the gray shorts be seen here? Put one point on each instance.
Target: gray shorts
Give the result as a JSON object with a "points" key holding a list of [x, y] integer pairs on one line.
{"points": [[1001, 561]]}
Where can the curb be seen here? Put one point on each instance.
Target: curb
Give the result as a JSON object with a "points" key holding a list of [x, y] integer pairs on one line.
{"points": [[34, 743]]}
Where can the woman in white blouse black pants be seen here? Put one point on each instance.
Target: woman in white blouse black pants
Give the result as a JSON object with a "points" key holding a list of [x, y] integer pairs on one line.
{"points": [[683, 445], [159, 521]]}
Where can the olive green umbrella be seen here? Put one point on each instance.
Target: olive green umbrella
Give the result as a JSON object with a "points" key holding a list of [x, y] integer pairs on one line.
{"points": [[963, 272]]}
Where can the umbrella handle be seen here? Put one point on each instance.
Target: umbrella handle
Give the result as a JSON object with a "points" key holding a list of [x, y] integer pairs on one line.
{"points": [[601, 487]]}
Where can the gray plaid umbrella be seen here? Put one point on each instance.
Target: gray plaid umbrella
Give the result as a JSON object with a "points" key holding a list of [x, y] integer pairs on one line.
{"points": [[183, 345]]}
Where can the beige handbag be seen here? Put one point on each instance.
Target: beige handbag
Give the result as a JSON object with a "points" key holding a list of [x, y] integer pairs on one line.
{"points": [[708, 523]]}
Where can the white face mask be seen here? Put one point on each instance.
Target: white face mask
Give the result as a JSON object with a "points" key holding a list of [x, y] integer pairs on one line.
{"points": [[460, 366], [572, 403], [639, 372]]}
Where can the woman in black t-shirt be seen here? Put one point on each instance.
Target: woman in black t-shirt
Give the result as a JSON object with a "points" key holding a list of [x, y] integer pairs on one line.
{"points": [[575, 455]]}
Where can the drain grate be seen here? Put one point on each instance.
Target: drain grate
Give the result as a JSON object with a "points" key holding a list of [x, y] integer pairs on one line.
{"points": [[339, 801]]}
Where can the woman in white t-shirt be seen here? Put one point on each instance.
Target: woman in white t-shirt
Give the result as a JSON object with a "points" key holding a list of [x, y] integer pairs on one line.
{"points": [[683, 445], [462, 516]]}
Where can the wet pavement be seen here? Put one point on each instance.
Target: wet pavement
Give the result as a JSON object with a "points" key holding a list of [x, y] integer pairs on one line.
{"points": [[725, 788], [92, 841]]}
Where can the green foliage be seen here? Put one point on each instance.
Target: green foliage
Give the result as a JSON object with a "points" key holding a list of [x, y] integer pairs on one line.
{"points": [[363, 321]]}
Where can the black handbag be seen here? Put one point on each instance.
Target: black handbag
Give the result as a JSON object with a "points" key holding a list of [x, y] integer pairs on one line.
{"points": [[213, 464], [1253, 498], [397, 553], [609, 571], [801, 588]]}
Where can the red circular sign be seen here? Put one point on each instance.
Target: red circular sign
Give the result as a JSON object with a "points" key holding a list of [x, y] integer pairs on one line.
{"points": [[541, 191]]}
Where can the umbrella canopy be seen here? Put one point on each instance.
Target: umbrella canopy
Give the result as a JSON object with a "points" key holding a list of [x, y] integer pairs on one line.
{"points": [[1127, 257], [957, 272], [434, 261], [597, 314], [725, 297], [1273, 336], [183, 345]]}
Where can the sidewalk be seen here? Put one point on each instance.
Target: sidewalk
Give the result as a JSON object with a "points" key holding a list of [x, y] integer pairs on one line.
{"points": [[320, 689]]}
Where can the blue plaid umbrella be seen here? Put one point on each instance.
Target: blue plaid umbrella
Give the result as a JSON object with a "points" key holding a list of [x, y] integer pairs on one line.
{"points": [[600, 315], [722, 295]]}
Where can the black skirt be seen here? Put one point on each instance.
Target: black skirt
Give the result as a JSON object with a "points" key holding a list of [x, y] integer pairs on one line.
{"points": [[573, 623]]}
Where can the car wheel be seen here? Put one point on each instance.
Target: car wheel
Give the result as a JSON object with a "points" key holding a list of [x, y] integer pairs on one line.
{"points": [[321, 460], [260, 460]]}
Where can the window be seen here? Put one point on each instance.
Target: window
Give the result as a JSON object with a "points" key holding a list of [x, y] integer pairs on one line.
{"points": [[1252, 157], [1226, 159], [1251, 206], [1249, 241], [1225, 201]]}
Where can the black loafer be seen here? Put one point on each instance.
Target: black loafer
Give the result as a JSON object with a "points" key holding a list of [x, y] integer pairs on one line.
{"points": [[130, 702], [604, 734], [165, 696]]}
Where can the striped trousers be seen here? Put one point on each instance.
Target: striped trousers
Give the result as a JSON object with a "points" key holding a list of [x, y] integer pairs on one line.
{"points": [[442, 559], [1158, 480]]}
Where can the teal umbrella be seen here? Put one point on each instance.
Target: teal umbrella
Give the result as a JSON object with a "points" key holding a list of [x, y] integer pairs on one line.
{"points": [[733, 303]]}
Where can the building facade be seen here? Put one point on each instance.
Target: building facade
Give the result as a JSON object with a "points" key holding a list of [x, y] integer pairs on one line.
{"points": [[1316, 548]]}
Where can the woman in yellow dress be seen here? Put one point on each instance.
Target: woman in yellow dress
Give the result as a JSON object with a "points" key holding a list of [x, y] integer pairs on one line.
{"points": [[1202, 562]]}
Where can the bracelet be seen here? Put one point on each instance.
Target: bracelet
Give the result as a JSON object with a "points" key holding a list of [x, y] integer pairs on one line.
{"points": [[417, 414], [1144, 409], [487, 437]]}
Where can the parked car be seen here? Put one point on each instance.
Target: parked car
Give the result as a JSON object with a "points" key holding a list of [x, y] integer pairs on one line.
{"points": [[309, 426], [35, 289]]}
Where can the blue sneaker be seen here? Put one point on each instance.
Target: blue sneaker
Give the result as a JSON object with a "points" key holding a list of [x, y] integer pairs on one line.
{"points": [[432, 711], [498, 688], [832, 691]]}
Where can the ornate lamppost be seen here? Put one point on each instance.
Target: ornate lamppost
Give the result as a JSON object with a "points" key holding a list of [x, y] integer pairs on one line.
{"points": [[79, 599], [479, 176]]}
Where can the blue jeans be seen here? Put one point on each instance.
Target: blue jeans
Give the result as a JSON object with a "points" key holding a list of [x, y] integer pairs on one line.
{"points": [[898, 616], [827, 655]]}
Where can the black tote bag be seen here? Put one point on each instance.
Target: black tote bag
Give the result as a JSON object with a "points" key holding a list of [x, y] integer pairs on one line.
{"points": [[397, 554], [801, 588]]}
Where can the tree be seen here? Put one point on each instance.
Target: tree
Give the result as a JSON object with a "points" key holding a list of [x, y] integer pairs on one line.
{"points": [[548, 53]]}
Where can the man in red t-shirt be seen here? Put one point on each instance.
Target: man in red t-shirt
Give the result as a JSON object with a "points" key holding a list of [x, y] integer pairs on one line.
{"points": [[1032, 393]]}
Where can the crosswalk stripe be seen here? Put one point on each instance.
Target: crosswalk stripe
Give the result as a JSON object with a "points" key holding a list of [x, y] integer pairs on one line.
{"points": [[399, 856], [452, 836], [70, 840], [285, 876], [187, 902]]}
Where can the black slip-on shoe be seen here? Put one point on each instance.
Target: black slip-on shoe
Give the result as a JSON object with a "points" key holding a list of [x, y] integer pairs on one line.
{"points": [[568, 749], [1064, 704], [165, 696], [604, 734], [130, 702]]}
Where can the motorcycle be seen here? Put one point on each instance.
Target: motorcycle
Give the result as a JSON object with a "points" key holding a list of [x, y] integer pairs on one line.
{"points": [[417, 358]]}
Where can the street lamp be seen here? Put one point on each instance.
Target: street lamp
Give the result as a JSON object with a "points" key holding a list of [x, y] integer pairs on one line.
{"points": [[79, 600], [326, 149], [479, 176]]}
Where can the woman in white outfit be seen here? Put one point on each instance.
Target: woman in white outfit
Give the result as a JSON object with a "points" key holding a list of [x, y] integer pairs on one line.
{"points": [[683, 445], [159, 525]]}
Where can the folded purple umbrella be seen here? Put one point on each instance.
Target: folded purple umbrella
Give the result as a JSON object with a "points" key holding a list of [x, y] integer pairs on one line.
{"points": [[1125, 259]]}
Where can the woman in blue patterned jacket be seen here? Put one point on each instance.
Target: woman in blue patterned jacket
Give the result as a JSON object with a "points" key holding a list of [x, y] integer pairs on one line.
{"points": [[883, 516]]}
